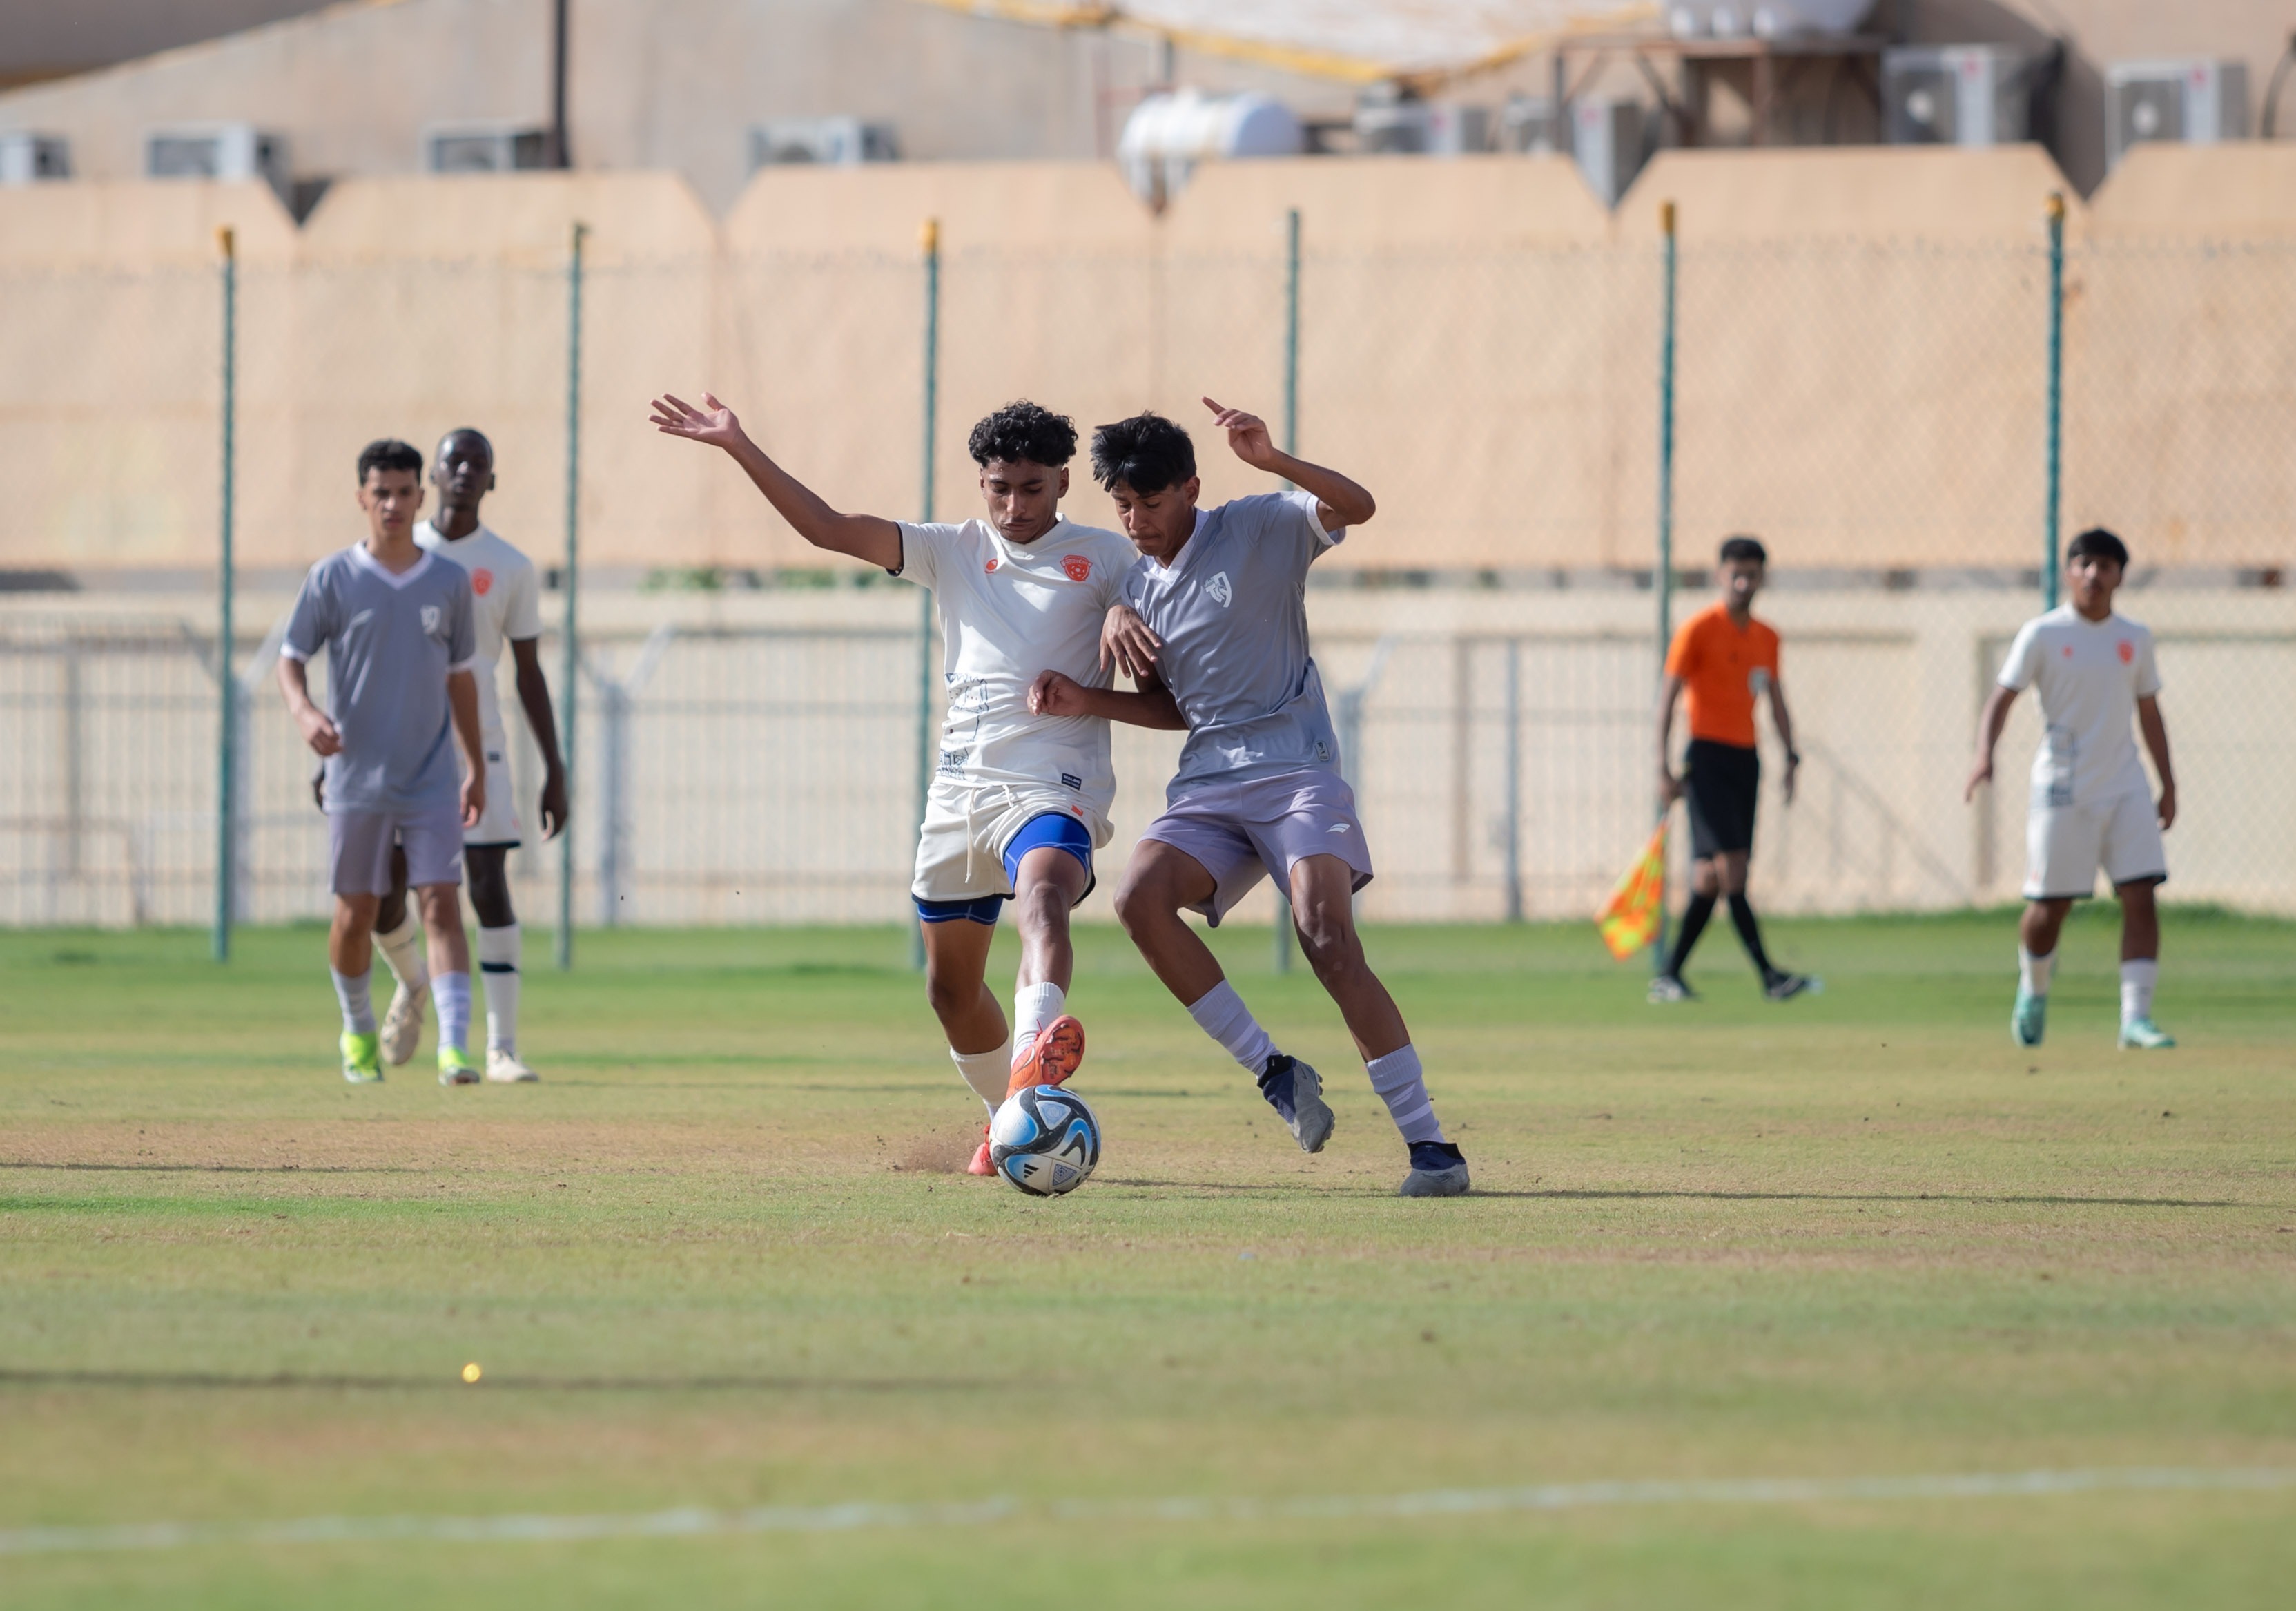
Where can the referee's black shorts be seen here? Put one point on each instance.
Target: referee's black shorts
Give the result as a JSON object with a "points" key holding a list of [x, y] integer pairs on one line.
{"points": [[1722, 783]]}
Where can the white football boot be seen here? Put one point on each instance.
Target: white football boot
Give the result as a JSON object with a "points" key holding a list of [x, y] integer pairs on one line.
{"points": [[504, 1068], [402, 1025]]}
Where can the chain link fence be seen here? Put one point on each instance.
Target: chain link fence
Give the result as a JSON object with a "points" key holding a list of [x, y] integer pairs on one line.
{"points": [[747, 715]]}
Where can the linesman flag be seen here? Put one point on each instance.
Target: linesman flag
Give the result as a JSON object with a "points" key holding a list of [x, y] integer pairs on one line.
{"points": [[1629, 918]]}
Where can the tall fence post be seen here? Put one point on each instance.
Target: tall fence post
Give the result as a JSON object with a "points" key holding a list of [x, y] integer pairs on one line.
{"points": [[1662, 575], [2054, 451], [226, 686], [1283, 940], [569, 677], [929, 238], [1514, 837]]}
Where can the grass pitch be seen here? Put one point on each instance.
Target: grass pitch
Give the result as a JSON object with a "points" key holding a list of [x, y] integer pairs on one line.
{"points": [[720, 1258]]}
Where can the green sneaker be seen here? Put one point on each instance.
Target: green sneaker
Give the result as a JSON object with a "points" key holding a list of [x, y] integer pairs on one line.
{"points": [[362, 1058], [455, 1066], [2144, 1035], [2029, 1019]]}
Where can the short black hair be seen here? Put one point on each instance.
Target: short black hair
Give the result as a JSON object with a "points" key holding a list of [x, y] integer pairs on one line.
{"points": [[1146, 453], [389, 453], [1744, 547], [2099, 542], [1023, 431]]}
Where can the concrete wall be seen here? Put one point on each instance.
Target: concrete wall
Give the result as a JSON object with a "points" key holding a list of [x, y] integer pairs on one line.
{"points": [[1860, 370]]}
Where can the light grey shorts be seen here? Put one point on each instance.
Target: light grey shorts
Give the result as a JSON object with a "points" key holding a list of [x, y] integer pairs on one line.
{"points": [[1242, 832], [359, 846]]}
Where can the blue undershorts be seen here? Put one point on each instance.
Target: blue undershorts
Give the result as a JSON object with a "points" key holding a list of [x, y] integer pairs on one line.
{"points": [[1057, 829]]}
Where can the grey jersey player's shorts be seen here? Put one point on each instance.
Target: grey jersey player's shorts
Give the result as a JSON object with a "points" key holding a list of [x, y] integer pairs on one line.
{"points": [[359, 843], [1242, 832]]}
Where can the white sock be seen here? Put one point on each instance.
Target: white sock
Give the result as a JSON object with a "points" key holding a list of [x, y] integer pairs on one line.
{"points": [[404, 949], [498, 958], [450, 993], [358, 1002], [2033, 971], [1034, 1005], [1397, 1079], [1223, 1015], [2136, 982], [988, 1072]]}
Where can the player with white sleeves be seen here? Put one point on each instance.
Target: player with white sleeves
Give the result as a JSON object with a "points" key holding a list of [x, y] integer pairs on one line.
{"points": [[1019, 801], [2091, 804]]}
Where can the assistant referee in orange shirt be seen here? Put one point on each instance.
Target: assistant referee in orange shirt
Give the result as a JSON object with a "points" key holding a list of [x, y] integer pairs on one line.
{"points": [[1724, 657]]}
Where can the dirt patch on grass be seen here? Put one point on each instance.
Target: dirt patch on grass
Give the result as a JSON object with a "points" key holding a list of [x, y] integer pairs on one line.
{"points": [[940, 1152]]}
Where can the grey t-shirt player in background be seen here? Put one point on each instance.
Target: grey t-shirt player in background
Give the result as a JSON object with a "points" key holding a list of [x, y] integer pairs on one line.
{"points": [[1215, 632], [392, 639]]}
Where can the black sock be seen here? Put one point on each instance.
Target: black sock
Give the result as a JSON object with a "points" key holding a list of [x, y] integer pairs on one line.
{"points": [[1741, 914], [1693, 924]]}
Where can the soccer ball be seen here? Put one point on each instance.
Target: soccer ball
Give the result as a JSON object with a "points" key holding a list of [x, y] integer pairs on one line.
{"points": [[1045, 1140]]}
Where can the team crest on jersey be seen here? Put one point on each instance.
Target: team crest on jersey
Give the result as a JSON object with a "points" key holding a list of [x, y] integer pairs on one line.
{"points": [[990, 568], [1078, 568], [429, 619], [2128, 652], [481, 580], [1219, 590]]}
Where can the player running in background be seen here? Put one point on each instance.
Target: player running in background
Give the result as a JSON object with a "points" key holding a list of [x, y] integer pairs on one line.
{"points": [[506, 606], [1019, 801], [2090, 804], [1723, 657], [396, 623], [1216, 634]]}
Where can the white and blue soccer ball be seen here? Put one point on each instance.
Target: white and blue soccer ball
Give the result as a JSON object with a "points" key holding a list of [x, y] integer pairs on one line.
{"points": [[1045, 1140]]}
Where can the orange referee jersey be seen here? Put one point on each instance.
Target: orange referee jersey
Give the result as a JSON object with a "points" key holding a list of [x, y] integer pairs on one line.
{"points": [[1722, 668]]}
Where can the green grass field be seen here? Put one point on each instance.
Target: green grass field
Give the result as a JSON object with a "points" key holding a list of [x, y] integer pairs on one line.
{"points": [[720, 1258]]}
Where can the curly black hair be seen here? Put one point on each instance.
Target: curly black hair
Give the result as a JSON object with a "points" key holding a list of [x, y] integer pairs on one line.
{"points": [[389, 453], [1146, 453], [1020, 431]]}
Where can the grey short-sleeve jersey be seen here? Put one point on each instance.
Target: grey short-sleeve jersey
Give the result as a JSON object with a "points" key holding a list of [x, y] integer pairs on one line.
{"points": [[1232, 611], [391, 639]]}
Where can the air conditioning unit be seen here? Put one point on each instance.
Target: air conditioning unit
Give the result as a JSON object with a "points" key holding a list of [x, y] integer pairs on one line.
{"points": [[1606, 137], [27, 158], [1430, 128], [485, 148], [1534, 125], [216, 150], [830, 140], [2198, 102], [1959, 95]]}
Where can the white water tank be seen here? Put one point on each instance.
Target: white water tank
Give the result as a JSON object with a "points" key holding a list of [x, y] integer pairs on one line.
{"points": [[1169, 133]]}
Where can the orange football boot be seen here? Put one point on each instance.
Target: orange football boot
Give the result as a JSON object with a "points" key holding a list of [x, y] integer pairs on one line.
{"points": [[980, 1165], [1052, 1057]]}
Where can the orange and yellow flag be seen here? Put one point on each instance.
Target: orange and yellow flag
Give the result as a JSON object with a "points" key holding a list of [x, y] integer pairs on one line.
{"points": [[1629, 918]]}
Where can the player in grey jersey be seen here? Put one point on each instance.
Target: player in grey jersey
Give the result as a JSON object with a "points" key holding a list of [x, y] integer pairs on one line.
{"points": [[395, 624], [1214, 630]]}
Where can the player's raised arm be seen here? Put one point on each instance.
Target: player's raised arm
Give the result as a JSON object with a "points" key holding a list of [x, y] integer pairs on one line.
{"points": [[864, 537], [1340, 502]]}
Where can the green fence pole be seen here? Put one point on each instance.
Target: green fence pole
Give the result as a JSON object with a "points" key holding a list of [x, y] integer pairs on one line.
{"points": [[929, 237], [1291, 445], [227, 684], [2056, 422], [571, 701], [1662, 576]]}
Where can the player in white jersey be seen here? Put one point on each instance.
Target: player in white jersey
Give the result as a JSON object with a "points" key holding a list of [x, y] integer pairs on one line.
{"points": [[1018, 802], [507, 602], [2091, 803]]}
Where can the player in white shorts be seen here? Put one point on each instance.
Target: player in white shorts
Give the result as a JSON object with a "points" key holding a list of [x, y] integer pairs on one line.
{"points": [[507, 605], [1019, 801], [2091, 804]]}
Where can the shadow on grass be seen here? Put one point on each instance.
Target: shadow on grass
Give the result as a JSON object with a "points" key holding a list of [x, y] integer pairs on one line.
{"points": [[1874, 1197]]}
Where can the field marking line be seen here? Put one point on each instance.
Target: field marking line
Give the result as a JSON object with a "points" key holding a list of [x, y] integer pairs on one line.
{"points": [[696, 1522]]}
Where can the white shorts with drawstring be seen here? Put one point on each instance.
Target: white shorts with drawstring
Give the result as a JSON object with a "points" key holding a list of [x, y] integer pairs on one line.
{"points": [[961, 842]]}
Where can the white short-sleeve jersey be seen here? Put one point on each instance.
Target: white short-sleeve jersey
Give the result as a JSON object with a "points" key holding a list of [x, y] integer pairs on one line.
{"points": [[2089, 674], [507, 603], [1008, 612]]}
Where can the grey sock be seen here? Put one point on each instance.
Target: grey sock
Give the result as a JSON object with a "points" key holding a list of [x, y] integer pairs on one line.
{"points": [[358, 1001]]}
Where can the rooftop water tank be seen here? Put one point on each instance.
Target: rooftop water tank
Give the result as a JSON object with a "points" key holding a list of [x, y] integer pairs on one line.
{"points": [[1169, 133]]}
